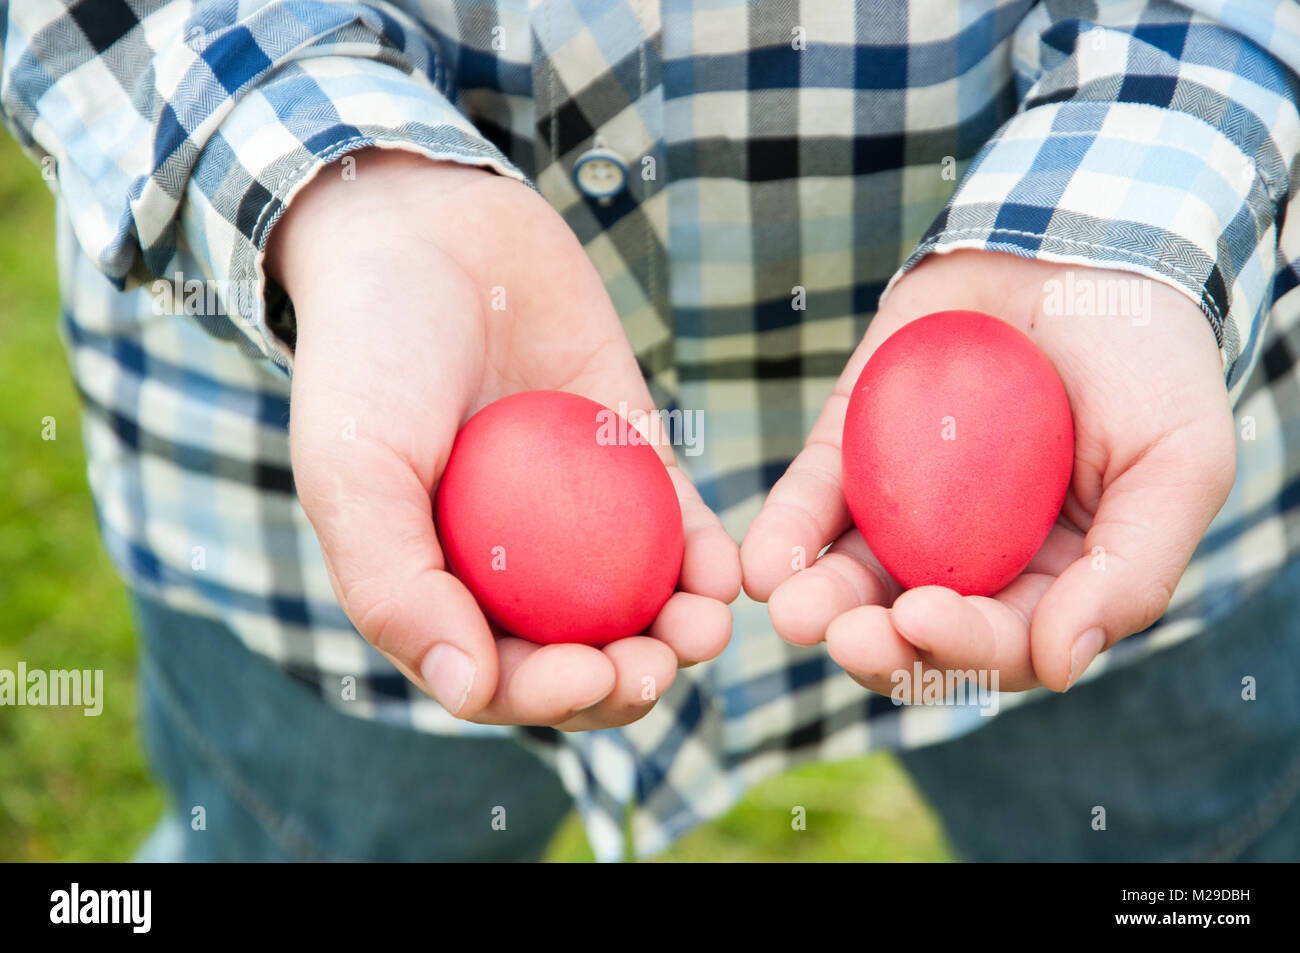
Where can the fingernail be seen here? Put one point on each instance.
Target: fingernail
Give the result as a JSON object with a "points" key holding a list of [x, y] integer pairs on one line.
{"points": [[1083, 651], [449, 673]]}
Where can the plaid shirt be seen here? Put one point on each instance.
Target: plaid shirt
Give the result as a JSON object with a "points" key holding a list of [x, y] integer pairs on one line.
{"points": [[770, 147]]}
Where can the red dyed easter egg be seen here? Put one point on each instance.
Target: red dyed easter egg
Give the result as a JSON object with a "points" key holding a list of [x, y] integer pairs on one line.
{"points": [[958, 449], [560, 518]]}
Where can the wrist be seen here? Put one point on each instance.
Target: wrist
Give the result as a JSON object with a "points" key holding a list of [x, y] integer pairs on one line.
{"points": [[352, 212]]}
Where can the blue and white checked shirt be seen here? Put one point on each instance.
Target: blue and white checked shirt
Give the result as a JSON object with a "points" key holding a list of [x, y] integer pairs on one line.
{"points": [[816, 145]]}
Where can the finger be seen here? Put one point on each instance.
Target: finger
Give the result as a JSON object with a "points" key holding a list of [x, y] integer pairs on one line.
{"points": [[643, 669], [1148, 523], [366, 489], [806, 508], [546, 684], [1062, 547], [373, 518], [695, 627], [948, 630], [804, 511], [864, 643], [954, 632], [846, 576], [973, 633], [711, 559]]}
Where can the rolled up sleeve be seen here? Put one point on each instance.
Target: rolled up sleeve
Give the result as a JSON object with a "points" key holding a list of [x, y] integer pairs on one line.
{"points": [[1150, 139], [192, 124]]}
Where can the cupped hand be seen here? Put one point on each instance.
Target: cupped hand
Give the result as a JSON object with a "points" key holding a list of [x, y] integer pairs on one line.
{"points": [[1155, 459], [424, 291]]}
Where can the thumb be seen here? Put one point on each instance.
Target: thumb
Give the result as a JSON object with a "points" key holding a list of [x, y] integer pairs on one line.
{"points": [[1148, 523], [372, 514]]}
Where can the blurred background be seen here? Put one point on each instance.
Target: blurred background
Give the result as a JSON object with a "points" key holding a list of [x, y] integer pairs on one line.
{"points": [[76, 788]]}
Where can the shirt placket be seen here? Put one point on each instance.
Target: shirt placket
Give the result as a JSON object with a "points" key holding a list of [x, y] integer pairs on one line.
{"points": [[599, 144]]}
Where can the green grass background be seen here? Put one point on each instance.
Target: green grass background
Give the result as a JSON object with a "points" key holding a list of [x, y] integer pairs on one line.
{"points": [[78, 788]]}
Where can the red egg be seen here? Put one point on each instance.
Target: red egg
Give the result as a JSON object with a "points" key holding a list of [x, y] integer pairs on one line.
{"points": [[560, 518], [958, 448]]}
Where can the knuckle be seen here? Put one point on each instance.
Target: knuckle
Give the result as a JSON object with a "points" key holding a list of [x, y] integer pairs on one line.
{"points": [[372, 610], [1153, 601]]}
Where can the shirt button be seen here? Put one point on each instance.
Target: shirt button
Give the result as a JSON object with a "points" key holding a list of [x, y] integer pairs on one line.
{"points": [[600, 174]]}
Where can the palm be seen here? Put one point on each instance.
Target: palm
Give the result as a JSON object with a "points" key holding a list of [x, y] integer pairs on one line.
{"points": [[1153, 445]]}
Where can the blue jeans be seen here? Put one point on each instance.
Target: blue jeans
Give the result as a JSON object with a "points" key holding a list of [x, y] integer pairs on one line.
{"points": [[1183, 767], [280, 775]]}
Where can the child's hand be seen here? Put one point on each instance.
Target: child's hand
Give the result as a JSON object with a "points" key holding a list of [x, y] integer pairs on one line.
{"points": [[393, 277], [1155, 458]]}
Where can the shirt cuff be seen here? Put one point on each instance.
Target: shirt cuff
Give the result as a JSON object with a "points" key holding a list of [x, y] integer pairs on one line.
{"points": [[307, 115], [1131, 187]]}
